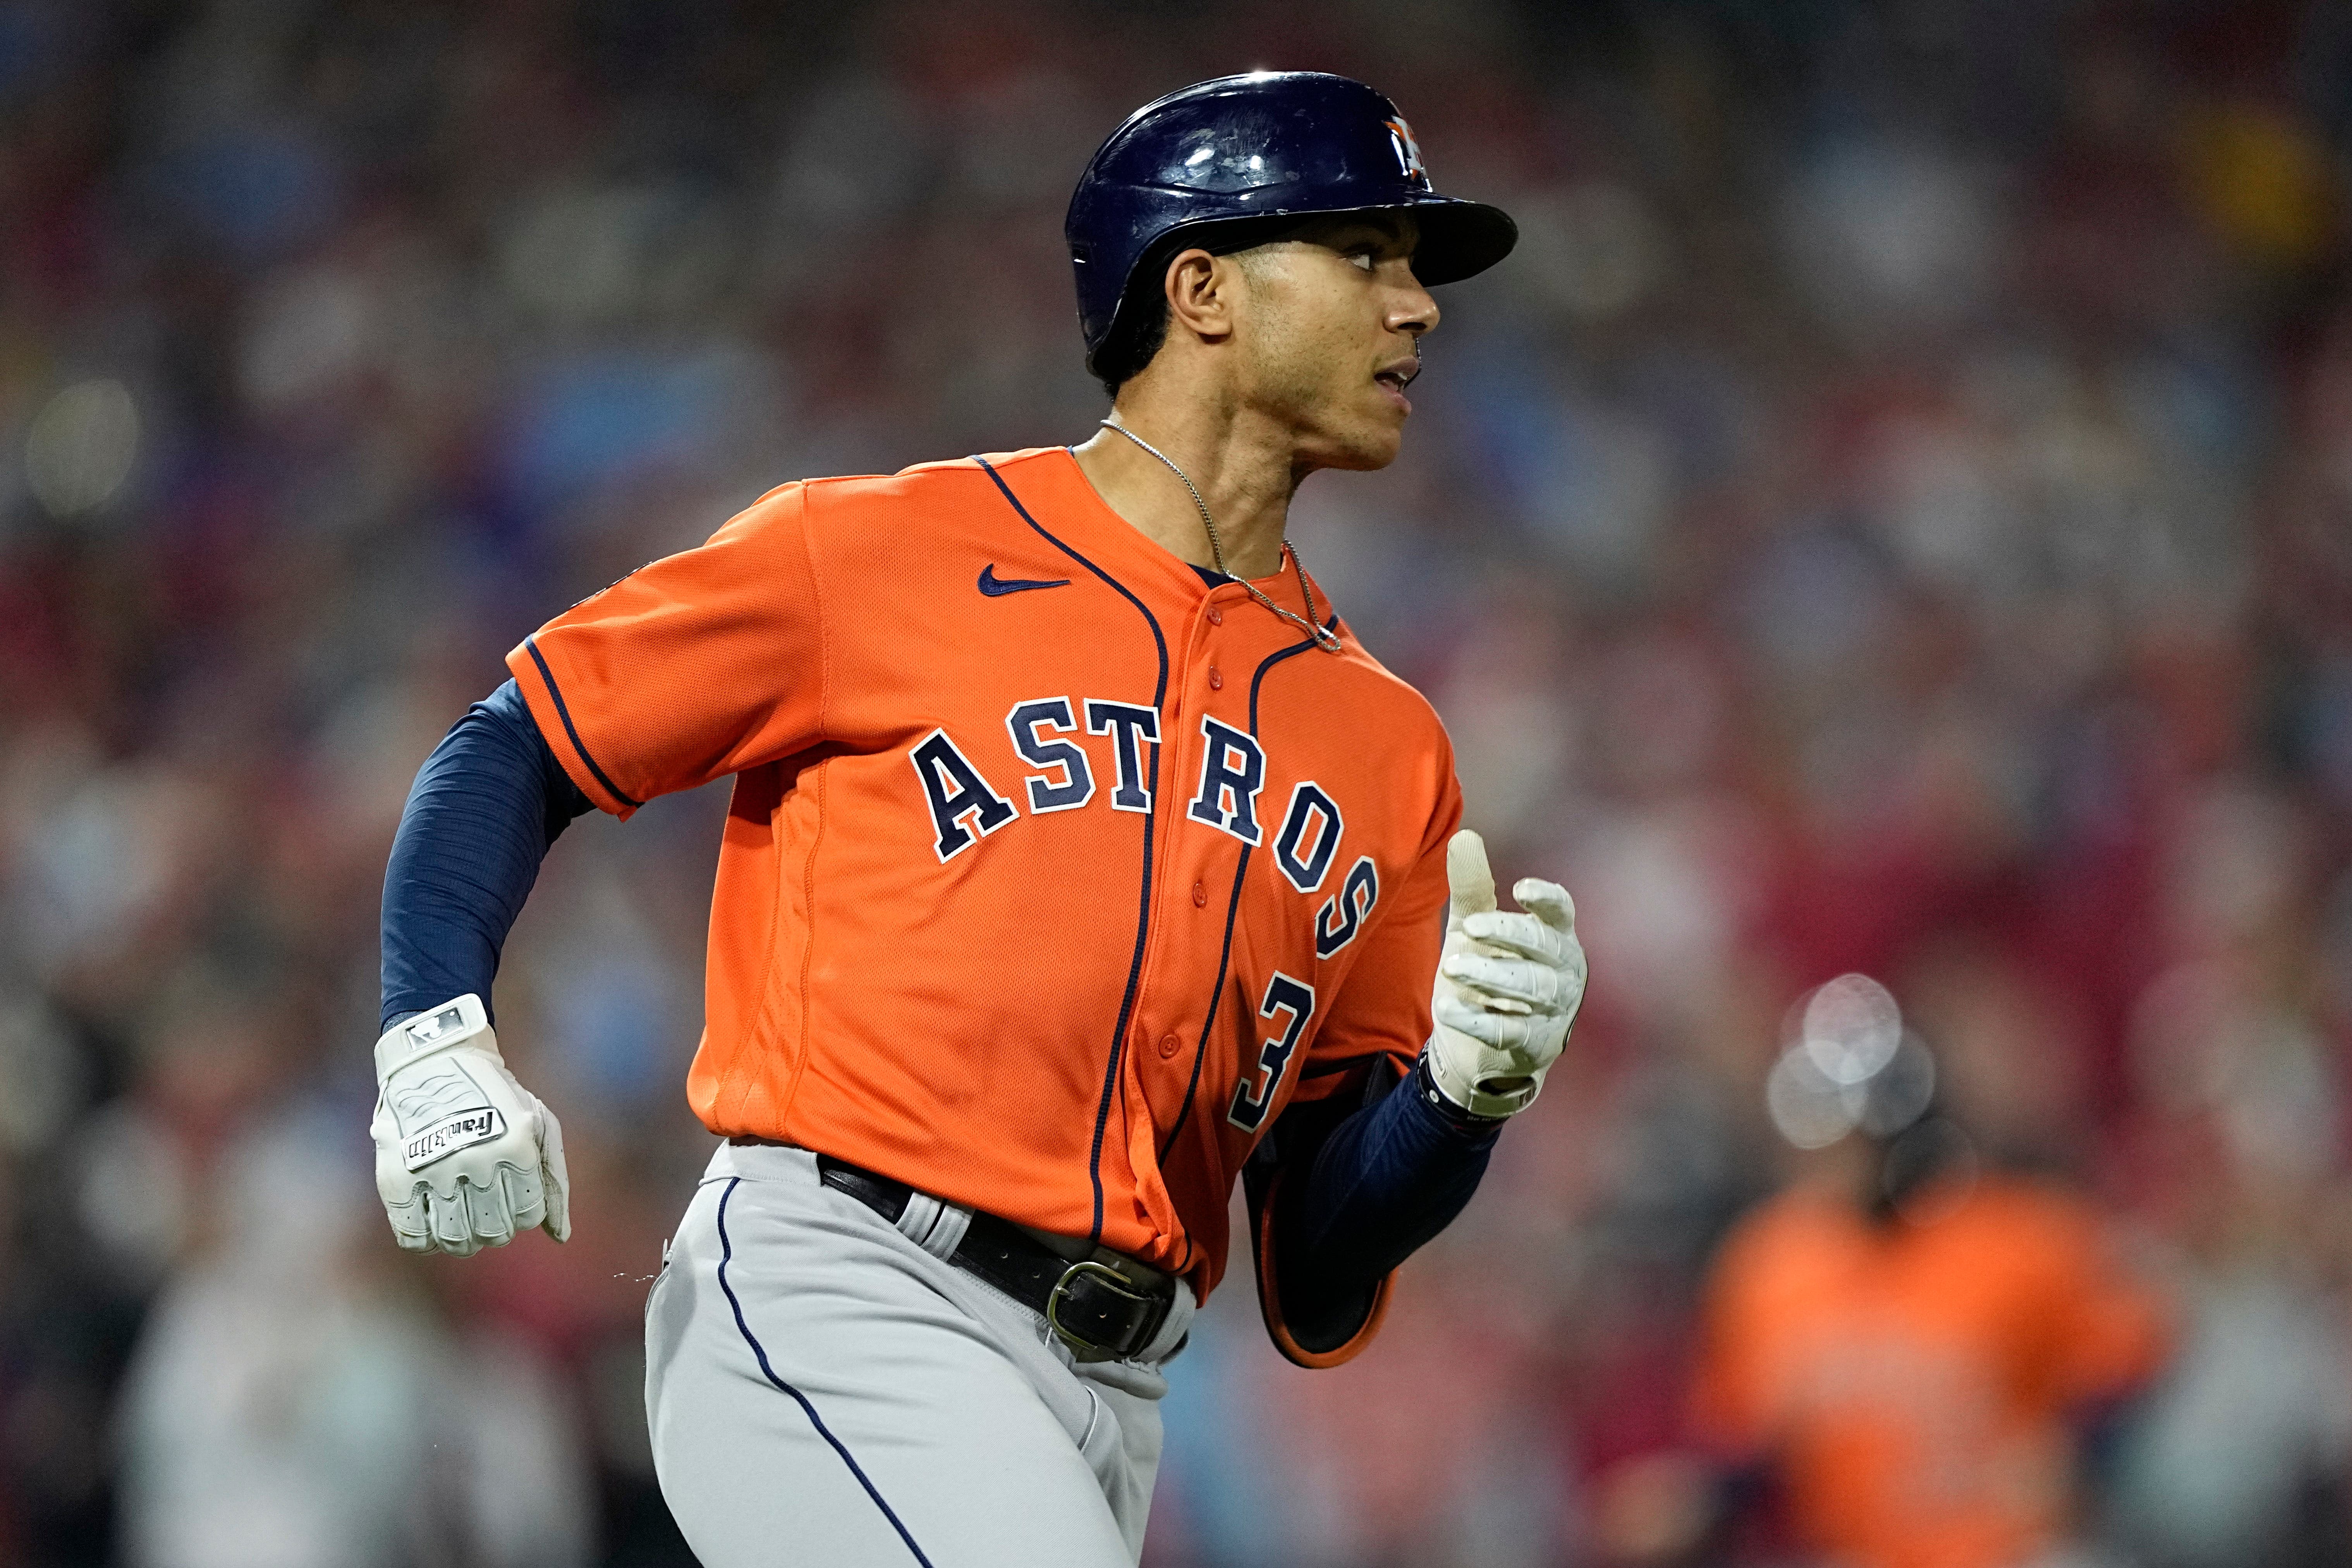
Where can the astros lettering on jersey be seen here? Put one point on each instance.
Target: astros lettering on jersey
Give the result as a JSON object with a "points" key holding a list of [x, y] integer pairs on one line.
{"points": [[1053, 873]]}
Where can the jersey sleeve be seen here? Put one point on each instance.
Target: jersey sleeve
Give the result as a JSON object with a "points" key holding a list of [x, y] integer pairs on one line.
{"points": [[700, 665], [1382, 1010]]}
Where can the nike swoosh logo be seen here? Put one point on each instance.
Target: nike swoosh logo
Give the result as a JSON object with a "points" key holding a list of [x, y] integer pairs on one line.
{"points": [[993, 586]]}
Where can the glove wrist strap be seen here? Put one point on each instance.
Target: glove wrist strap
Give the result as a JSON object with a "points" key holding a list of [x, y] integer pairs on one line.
{"points": [[1471, 1100], [1454, 1113], [462, 1021]]}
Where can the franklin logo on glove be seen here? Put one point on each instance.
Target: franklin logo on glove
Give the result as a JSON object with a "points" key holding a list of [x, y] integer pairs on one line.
{"points": [[461, 1131]]}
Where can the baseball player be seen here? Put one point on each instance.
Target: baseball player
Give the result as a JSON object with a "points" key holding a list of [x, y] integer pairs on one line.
{"points": [[1079, 862]]}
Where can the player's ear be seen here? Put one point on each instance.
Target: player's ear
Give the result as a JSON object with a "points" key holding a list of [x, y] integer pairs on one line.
{"points": [[1200, 289]]}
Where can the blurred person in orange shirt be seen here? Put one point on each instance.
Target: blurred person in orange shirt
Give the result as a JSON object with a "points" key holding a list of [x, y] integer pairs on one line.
{"points": [[1911, 1346]]}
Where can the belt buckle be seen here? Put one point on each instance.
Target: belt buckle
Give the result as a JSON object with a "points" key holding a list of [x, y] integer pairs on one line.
{"points": [[1118, 1284]]}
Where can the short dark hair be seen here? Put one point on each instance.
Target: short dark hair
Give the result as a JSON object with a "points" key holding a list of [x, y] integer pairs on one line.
{"points": [[1135, 336]]}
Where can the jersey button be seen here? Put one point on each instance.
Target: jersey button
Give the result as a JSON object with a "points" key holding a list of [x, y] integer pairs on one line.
{"points": [[1200, 895], [1216, 616], [1216, 679], [1169, 1047]]}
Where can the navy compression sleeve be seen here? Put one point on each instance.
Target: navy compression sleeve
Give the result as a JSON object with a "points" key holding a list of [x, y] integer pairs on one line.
{"points": [[1389, 1178], [485, 807], [1379, 1185]]}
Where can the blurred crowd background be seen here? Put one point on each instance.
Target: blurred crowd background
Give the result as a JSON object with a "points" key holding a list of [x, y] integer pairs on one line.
{"points": [[1893, 516]]}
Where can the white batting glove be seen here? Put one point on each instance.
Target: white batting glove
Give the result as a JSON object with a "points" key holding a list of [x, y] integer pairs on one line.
{"points": [[464, 1156], [1508, 986]]}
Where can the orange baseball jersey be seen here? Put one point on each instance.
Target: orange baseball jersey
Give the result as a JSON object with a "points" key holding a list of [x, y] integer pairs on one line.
{"points": [[1053, 872], [1912, 1383]]}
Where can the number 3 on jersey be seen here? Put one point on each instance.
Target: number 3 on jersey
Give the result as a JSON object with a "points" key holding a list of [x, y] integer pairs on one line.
{"points": [[1255, 1092]]}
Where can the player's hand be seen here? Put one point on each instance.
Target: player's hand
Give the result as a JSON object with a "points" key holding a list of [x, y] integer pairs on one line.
{"points": [[1508, 986], [464, 1156]]}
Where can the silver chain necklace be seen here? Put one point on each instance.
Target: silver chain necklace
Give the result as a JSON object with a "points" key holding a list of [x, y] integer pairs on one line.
{"points": [[1327, 641]]}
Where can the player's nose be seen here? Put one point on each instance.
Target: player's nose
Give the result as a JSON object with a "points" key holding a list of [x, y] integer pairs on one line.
{"points": [[1414, 310]]}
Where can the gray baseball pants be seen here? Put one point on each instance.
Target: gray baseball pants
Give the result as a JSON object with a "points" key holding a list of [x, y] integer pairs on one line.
{"points": [[822, 1390]]}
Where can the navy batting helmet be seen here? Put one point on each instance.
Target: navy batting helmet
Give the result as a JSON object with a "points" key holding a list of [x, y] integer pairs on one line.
{"points": [[1211, 163]]}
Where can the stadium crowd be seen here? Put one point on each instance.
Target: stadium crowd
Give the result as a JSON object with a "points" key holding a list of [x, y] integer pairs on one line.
{"points": [[1893, 516]]}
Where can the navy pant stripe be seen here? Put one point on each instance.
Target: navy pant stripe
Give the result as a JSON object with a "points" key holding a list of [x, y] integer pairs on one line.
{"points": [[727, 1256]]}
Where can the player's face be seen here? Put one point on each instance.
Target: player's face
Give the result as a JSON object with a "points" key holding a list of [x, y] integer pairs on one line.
{"points": [[1333, 334]]}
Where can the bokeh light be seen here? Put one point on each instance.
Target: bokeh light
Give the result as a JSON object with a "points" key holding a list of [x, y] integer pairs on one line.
{"points": [[81, 445]]}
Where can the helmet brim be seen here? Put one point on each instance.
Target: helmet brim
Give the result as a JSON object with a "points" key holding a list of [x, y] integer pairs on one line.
{"points": [[1458, 238]]}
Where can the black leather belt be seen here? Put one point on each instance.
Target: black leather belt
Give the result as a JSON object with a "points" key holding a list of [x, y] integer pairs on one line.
{"points": [[1091, 1307]]}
